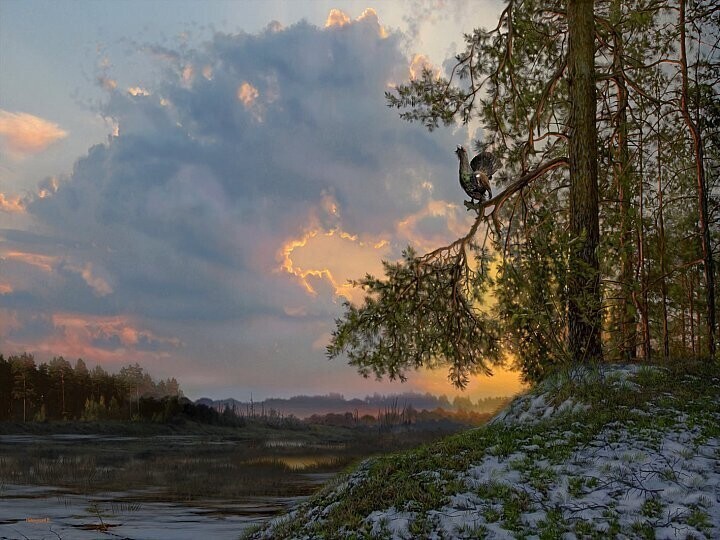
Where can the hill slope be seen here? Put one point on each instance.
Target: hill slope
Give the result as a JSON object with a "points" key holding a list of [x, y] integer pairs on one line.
{"points": [[621, 452]]}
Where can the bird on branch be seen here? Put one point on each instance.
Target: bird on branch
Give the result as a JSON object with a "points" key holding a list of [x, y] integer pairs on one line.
{"points": [[475, 176]]}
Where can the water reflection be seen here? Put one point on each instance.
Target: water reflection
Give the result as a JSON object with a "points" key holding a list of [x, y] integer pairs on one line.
{"points": [[298, 463]]}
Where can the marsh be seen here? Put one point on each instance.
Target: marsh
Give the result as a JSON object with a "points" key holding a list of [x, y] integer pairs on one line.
{"points": [[132, 483]]}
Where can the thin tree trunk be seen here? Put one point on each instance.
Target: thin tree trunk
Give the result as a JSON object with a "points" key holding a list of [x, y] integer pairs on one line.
{"points": [[662, 244], [708, 265], [682, 327], [691, 295], [644, 317], [621, 170]]}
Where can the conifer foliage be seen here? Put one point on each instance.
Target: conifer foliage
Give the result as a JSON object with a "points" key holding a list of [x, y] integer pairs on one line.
{"points": [[604, 118]]}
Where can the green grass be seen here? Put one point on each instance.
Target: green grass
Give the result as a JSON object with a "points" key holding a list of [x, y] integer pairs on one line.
{"points": [[424, 479]]}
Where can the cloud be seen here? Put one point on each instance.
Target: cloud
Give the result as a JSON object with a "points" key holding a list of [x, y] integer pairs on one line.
{"points": [[105, 339], [137, 91], [12, 204], [436, 224], [420, 63], [423, 13], [23, 134], [240, 193], [335, 256], [97, 283], [337, 17], [43, 262], [247, 94], [107, 83]]}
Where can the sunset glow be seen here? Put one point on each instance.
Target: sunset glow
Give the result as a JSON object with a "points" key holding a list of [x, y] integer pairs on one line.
{"points": [[198, 197]]}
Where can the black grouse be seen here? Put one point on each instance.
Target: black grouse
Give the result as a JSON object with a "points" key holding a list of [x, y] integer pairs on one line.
{"points": [[475, 175]]}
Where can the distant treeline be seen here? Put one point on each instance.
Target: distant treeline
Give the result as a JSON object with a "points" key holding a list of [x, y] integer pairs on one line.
{"points": [[58, 390], [375, 405]]}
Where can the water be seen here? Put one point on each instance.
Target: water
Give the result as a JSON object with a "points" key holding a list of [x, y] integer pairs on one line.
{"points": [[110, 487], [38, 512]]}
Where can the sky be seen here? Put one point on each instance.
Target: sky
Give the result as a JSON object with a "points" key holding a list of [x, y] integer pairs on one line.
{"points": [[190, 185]]}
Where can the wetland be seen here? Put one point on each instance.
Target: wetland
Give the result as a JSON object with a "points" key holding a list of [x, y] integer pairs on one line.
{"points": [[145, 481]]}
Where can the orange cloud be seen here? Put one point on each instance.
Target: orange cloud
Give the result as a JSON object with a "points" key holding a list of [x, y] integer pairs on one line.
{"points": [[419, 63], [77, 334], [457, 224], [138, 91], [11, 205], [23, 134], [334, 256], [44, 262], [5, 288], [247, 94], [371, 15], [104, 327], [324, 251], [336, 17]]}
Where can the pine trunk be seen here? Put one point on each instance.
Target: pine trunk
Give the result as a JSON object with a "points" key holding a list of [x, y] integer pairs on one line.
{"points": [[584, 318], [641, 270], [701, 190], [621, 170]]}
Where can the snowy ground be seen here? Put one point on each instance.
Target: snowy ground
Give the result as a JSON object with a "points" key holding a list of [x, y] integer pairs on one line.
{"points": [[629, 453]]}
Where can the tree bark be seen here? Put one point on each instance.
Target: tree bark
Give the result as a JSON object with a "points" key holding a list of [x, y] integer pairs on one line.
{"points": [[621, 170], [584, 318], [662, 244], [701, 190], [641, 271]]}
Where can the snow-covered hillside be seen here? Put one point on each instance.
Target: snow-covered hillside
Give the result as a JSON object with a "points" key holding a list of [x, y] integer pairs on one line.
{"points": [[618, 452]]}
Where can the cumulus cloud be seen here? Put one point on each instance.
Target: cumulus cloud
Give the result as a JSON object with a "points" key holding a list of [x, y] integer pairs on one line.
{"points": [[334, 256], [11, 204], [420, 63], [337, 17], [23, 134], [216, 225]]}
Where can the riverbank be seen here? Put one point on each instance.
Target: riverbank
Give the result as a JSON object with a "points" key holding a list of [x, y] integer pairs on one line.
{"points": [[621, 451]]}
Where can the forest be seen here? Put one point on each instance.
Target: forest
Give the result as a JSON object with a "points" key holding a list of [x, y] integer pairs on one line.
{"points": [[600, 242], [57, 390]]}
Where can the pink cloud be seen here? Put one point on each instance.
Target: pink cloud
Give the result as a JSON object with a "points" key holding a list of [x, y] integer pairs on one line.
{"points": [[24, 134], [99, 285], [43, 262]]}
